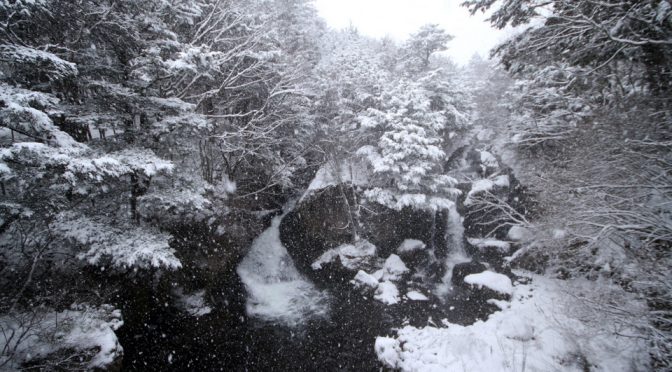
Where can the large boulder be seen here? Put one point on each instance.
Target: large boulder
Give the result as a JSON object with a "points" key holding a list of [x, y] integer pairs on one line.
{"points": [[320, 223], [461, 270]]}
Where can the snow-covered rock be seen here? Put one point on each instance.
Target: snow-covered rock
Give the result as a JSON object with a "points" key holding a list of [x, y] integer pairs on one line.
{"points": [[410, 245], [416, 296], [387, 293], [352, 256], [39, 334], [477, 187], [394, 268], [363, 278], [497, 282]]}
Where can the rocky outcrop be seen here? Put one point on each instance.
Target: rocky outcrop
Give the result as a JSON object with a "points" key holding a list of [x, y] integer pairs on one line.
{"points": [[320, 222]]}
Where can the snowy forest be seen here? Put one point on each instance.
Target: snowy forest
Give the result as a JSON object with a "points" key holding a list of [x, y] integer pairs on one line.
{"points": [[234, 185]]}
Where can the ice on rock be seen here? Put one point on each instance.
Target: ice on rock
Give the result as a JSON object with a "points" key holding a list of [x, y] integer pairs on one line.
{"points": [[497, 282]]}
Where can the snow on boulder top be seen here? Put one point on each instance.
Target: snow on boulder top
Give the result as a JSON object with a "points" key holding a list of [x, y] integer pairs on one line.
{"points": [[387, 293], [351, 256], [416, 296], [365, 279], [497, 282], [410, 245], [394, 268], [484, 244], [478, 186]]}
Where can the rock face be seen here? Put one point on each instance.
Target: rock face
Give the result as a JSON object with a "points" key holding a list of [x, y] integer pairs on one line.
{"points": [[320, 223]]}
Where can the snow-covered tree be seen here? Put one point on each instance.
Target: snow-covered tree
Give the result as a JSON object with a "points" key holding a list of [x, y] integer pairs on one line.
{"points": [[407, 158]]}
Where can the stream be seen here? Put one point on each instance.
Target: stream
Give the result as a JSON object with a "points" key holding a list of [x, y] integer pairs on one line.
{"points": [[269, 316]]}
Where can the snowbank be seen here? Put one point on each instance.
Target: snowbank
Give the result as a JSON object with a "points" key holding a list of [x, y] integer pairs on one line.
{"points": [[536, 333], [497, 282]]}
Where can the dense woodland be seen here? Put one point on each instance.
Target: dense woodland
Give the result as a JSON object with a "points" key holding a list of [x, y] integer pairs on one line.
{"points": [[142, 143]]}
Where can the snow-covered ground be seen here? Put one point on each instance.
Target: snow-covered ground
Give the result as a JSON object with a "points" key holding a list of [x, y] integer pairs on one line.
{"points": [[538, 331], [276, 290], [30, 336]]}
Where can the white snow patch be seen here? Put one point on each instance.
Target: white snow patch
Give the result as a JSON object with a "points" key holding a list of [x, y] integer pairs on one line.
{"points": [[538, 332], [276, 290], [416, 296], [387, 293], [410, 245], [483, 244], [497, 282]]}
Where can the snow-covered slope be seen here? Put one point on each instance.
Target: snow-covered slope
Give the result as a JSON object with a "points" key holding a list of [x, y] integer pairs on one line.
{"points": [[539, 331]]}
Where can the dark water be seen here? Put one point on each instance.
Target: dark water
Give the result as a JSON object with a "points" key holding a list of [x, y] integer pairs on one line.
{"points": [[158, 337]]}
